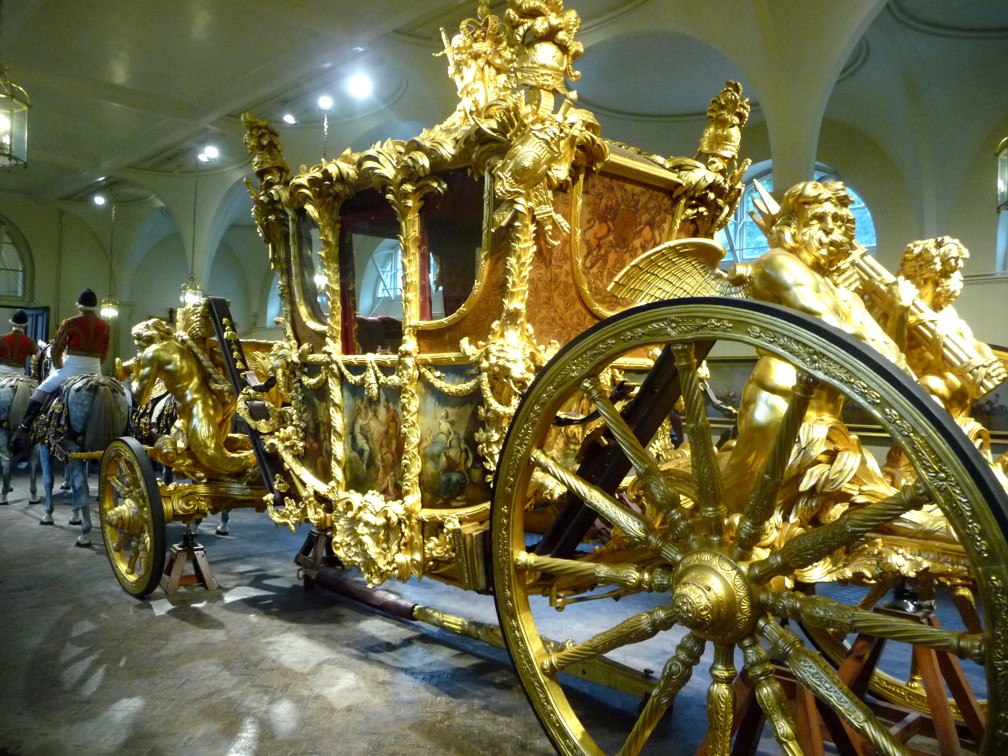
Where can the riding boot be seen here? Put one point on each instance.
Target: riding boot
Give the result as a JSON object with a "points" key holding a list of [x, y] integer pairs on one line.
{"points": [[34, 406]]}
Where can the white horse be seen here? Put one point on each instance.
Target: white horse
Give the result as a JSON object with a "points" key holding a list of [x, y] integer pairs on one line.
{"points": [[15, 391]]}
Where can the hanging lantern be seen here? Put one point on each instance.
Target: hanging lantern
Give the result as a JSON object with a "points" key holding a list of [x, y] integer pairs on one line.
{"points": [[191, 293], [109, 308], [13, 122]]}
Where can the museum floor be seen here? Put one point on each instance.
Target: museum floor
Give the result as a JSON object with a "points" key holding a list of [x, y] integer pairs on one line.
{"points": [[259, 666]]}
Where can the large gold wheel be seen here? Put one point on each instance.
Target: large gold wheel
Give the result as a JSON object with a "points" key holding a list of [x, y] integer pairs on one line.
{"points": [[614, 545], [132, 517]]}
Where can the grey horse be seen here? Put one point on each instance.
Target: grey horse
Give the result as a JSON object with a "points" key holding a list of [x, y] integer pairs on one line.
{"points": [[15, 391], [89, 412]]}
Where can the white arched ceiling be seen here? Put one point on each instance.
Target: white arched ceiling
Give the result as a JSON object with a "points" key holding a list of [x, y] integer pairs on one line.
{"points": [[153, 286], [155, 226], [675, 75], [232, 212], [390, 130], [227, 279], [929, 64]]}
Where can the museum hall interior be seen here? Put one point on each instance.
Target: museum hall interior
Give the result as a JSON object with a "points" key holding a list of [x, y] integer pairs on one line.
{"points": [[504, 377]]}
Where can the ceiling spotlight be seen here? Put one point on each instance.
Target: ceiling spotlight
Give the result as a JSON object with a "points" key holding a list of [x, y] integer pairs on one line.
{"points": [[99, 199], [289, 118], [209, 153], [359, 86], [325, 102]]}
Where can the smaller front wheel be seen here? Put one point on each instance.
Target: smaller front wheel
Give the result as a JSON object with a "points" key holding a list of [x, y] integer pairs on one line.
{"points": [[132, 517]]}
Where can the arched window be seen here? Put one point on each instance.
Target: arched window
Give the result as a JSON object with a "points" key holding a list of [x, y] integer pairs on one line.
{"points": [[1002, 242], [743, 240], [273, 310], [12, 267]]}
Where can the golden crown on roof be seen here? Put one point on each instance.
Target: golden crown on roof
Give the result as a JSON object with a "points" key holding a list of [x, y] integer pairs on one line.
{"points": [[544, 32], [728, 113]]}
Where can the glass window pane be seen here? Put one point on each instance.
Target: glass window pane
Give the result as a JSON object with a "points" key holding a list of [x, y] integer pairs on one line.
{"points": [[452, 231], [313, 276], [370, 275]]}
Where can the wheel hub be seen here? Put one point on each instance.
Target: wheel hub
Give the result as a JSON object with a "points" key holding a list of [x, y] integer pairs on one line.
{"points": [[125, 516], [713, 598]]}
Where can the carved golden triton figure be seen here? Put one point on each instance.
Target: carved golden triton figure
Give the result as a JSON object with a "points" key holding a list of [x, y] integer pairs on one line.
{"points": [[197, 446]]}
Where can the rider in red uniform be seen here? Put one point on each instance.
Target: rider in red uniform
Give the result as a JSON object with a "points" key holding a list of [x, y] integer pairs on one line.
{"points": [[16, 347], [80, 346]]}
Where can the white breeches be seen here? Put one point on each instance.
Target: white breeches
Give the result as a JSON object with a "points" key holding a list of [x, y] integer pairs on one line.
{"points": [[73, 364]]}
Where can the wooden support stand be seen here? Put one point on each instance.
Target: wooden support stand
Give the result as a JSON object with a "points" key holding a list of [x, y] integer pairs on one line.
{"points": [[181, 553], [817, 723], [315, 553]]}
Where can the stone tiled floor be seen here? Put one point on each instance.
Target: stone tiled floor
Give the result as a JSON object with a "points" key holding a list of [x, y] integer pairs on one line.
{"points": [[259, 666]]}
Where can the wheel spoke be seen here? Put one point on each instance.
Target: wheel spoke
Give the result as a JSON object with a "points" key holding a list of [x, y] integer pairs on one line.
{"points": [[771, 696], [822, 680], [706, 473], [661, 494], [120, 487], [634, 526], [760, 505], [131, 562], [811, 546], [721, 701], [624, 575], [674, 676], [634, 629], [821, 611]]}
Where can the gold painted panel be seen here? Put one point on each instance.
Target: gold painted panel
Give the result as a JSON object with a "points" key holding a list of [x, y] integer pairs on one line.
{"points": [[554, 307], [619, 220]]}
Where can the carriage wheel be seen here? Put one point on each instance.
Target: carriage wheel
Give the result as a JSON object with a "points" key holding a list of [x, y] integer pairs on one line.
{"points": [[132, 517], [624, 549]]}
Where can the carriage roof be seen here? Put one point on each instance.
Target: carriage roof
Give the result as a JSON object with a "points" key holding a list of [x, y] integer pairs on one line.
{"points": [[516, 189]]}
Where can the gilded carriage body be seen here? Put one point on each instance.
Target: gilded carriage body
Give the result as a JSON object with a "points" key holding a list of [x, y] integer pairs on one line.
{"points": [[424, 282], [469, 388]]}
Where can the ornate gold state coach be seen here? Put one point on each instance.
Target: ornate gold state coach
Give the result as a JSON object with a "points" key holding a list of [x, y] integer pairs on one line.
{"points": [[493, 374]]}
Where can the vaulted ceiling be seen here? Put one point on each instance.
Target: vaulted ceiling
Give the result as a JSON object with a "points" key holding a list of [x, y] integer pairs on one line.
{"points": [[123, 87]]}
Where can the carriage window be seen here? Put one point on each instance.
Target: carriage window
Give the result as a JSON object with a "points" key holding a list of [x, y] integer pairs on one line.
{"points": [[310, 269], [370, 275], [452, 234]]}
